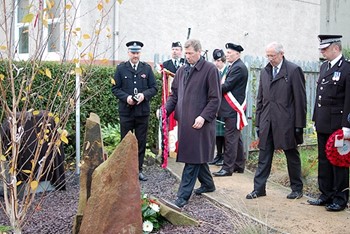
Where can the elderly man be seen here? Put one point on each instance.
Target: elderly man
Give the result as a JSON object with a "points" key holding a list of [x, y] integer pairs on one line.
{"points": [[195, 98], [332, 112], [280, 119], [134, 86]]}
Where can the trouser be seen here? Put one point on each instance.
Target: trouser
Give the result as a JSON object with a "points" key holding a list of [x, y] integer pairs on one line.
{"points": [[233, 155], [220, 145], [190, 174], [265, 162], [139, 126], [333, 181]]}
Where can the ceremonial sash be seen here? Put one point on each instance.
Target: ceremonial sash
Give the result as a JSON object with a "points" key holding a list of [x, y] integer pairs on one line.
{"points": [[232, 101]]}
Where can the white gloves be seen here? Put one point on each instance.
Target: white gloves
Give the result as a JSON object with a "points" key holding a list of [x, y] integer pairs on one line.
{"points": [[346, 132]]}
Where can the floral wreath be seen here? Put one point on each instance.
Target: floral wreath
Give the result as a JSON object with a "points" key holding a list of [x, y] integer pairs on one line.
{"points": [[338, 156]]}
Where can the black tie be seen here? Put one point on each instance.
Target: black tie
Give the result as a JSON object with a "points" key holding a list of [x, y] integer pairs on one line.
{"points": [[175, 63], [329, 66], [134, 66]]}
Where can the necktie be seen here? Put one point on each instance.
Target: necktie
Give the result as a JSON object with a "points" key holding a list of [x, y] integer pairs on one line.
{"points": [[134, 66], [175, 63], [329, 66], [274, 73]]}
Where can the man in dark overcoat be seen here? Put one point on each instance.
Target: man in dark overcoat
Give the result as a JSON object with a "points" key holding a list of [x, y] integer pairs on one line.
{"points": [[233, 89], [280, 119], [134, 87], [195, 98], [332, 112]]}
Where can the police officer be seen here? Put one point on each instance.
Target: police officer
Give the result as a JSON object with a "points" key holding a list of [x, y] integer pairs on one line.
{"points": [[332, 112], [176, 61], [134, 86]]}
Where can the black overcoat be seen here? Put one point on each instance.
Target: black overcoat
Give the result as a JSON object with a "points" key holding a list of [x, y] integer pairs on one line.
{"points": [[198, 95], [281, 104], [332, 106]]}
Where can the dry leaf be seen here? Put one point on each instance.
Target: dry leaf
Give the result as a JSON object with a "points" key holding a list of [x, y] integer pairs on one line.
{"points": [[100, 6], [28, 18], [27, 171], [36, 112], [34, 185], [86, 36]]}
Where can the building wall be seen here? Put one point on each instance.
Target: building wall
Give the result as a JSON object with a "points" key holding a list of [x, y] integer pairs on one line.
{"points": [[251, 23], [335, 18]]}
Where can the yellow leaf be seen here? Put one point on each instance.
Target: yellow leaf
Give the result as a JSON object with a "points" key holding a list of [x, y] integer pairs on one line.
{"points": [[41, 141], [100, 6], [68, 6], [9, 149], [75, 60], [3, 47], [18, 182], [79, 44], [36, 112], [64, 139], [50, 114], [57, 120], [45, 23], [104, 61], [91, 56], [34, 185], [107, 1], [40, 97], [86, 36], [2, 77], [120, 1], [71, 102], [59, 94], [12, 170], [48, 4], [77, 29], [48, 73], [109, 36], [23, 99], [28, 18], [47, 130], [26, 171], [3, 158], [78, 71], [97, 32], [113, 81]]}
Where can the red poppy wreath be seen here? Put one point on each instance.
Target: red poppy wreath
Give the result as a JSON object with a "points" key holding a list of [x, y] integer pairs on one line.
{"points": [[338, 156]]}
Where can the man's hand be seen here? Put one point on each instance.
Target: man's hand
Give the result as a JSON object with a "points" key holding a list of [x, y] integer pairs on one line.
{"points": [[140, 97], [198, 122], [130, 101], [346, 132]]}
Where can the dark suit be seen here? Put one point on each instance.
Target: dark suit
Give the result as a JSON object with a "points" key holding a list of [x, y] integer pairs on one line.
{"points": [[236, 83], [134, 117], [332, 112], [280, 109], [169, 65]]}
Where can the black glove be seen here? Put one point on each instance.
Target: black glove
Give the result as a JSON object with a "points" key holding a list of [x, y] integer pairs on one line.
{"points": [[299, 135], [257, 131]]}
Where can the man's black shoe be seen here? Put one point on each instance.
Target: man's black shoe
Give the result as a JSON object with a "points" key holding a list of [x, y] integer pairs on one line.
{"points": [[204, 189], [220, 162], [238, 170], [334, 207], [317, 202], [295, 195], [216, 159], [222, 172], [142, 177], [255, 194], [180, 202]]}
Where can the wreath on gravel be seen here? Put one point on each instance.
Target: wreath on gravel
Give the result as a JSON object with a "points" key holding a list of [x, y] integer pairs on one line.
{"points": [[338, 156]]}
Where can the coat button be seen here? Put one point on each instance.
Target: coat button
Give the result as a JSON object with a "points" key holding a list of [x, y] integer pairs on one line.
{"points": [[134, 75], [319, 97], [323, 80], [319, 105], [134, 82]]}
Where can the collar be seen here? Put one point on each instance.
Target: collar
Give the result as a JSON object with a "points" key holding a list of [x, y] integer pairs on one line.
{"points": [[279, 65], [334, 61], [132, 65]]}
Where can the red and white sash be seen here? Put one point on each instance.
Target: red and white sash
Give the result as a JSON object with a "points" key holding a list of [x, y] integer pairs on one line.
{"points": [[232, 101]]}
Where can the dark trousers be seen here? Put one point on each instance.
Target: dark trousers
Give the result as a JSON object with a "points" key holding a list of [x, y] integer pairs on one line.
{"points": [[233, 155], [190, 174], [139, 126], [220, 145], [333, 181], [265, 162]]}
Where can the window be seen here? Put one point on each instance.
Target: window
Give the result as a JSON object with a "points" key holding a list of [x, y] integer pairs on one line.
{"points": [[53, 29], [22, 30]]}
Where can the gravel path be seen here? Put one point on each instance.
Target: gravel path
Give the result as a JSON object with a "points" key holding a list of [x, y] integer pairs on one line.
{"points": [[56, 213]]}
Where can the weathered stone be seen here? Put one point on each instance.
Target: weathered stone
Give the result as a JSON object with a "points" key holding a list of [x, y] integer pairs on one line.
{"points": [[92, 158], [175, 217], [114, 205]]}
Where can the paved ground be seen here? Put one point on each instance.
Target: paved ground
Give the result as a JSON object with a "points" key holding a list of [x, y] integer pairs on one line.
{"points": [[275, 210]]}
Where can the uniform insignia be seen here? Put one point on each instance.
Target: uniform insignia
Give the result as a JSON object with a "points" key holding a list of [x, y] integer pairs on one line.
{"points": [[143, 76], [336, 76]]}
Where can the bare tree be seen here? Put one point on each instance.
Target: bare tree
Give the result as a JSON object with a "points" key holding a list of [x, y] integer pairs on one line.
{"points": [[39, 29]]}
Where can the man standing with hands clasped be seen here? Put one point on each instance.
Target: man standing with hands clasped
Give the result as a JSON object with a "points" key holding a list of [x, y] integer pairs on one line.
{"points": [[134, 86], [280, 119], [332, 112], [195, 98]]}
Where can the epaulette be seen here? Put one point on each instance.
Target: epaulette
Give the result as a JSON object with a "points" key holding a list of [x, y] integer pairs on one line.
{"points": [[347, 60], [144, 63]]}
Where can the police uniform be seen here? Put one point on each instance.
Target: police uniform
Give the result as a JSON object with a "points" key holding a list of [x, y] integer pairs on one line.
{"points": [[170, 64], [129, 81], [332, 112]]}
